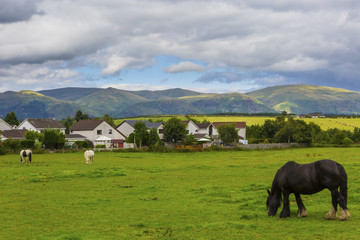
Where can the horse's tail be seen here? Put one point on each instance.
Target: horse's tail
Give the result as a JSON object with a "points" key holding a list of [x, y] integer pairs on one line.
{"points": [[343, 182], [30, 156]]}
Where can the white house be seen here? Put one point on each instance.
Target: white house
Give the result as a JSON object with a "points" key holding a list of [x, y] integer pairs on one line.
{"points": [[205, 130], [4, 125], [97, 131], [127, 127], [40, 125], [240, 127], [191, 127]]}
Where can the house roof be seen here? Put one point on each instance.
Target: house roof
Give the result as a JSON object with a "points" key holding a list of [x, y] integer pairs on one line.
{"points": [[148, 124], [203, 125], [45, 123], [14, 133], [74, 136], [238, 125], [84, 125], [2, 122]]}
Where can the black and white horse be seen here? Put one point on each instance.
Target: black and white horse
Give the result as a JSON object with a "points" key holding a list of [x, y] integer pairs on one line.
{"points": [[89, 156], [309, 179], [25, 156]]}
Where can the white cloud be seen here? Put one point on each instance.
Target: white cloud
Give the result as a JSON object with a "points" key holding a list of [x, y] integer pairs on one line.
{"points": [[116, 64], [298, 64], [254, 35], [31, 77], [185, 67]]}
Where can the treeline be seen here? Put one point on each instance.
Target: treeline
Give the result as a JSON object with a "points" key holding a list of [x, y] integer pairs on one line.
{"points": [[286, 129]]}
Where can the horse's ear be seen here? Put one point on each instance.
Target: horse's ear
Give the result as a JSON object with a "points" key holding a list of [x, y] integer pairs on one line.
{"points": [[268, 191]]}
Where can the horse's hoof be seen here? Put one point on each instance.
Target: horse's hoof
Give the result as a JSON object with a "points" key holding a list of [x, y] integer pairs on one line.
{"points": [[303, 213], [344, 214]]}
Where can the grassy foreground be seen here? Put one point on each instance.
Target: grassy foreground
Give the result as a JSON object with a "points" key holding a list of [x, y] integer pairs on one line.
{"points": [[208, 195]]}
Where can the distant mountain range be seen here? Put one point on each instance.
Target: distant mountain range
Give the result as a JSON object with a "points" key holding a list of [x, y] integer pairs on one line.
{"points": [[59, 103]]}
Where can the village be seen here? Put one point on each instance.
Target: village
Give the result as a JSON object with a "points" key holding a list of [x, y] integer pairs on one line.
{"points": [[100, 133]]}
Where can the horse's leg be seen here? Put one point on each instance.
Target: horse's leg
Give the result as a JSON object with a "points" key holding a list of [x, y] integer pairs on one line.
{"points": [[332, 213], [286, 208], [344, 211], [302, 210]]}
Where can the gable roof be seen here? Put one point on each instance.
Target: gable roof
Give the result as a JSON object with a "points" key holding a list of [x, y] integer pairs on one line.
{"points": [[14, 133], [238, 125], [84, 125], [148, 124], [44, 123], [5, 125], [203, 125]]}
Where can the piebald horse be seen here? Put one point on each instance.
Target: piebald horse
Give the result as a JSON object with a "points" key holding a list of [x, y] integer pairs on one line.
{"points": [[309, 179], [89, 156], [25, 156]]}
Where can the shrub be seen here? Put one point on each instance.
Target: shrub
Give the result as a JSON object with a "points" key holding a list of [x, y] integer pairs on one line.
{"points": [[83, 144], [347, 141], [12, 144], [100, 146], [27, 143], [2, 150]]}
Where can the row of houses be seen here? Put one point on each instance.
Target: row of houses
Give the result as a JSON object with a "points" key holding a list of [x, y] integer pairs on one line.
{"points": [[99, 132]]}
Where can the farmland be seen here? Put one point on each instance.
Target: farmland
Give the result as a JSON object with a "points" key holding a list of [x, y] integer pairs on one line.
{"points": [[203, 195], [324, 123]]}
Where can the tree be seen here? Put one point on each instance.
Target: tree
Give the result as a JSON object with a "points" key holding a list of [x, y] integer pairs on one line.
{"points": [[356, 135], [68, 122], [31, 135], [53, 139], [174, 131], [255, 131], [11, 119], [271, 127], [80, 116], [109, 120], [154, 138], [228, 134], [141, 134]]}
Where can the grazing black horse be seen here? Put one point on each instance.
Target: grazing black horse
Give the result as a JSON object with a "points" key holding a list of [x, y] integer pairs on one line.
{"points": [[309, 179]]}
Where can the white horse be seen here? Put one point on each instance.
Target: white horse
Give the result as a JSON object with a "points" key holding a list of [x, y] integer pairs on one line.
{"points": [[89, 156], [25, 156]]}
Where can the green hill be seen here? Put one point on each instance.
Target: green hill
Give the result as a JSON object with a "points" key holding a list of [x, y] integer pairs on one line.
{"points": [[69, 94], [169, 93], [59, 103], [110, 100], [307, 98], [200, 104], [30, 104]]}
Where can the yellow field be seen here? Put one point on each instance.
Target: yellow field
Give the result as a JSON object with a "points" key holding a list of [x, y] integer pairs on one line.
{"points": [[324, 123]]}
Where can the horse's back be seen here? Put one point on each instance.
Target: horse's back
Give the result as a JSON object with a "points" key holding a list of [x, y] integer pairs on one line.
{"points": [[311, 177]]}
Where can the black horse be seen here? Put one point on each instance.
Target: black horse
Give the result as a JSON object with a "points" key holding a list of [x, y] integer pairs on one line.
{"points": [[309, 179]]}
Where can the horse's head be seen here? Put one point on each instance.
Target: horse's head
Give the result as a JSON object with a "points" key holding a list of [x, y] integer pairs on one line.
{"points": [[273, 202]]}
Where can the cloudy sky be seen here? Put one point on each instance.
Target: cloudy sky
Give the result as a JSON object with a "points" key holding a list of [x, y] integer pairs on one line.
{"points": [[203, 45]]}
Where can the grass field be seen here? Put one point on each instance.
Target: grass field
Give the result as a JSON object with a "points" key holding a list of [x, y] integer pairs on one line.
{"points": [[324, 123], [204, 195]]}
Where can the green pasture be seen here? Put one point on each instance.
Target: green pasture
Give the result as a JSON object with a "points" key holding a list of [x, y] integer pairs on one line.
{"points": [[324, 123], [204, 195]]}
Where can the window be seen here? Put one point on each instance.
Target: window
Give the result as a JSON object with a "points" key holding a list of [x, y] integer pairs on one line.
{"points": [[161, 131], [99, 132], [110, 131]]}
